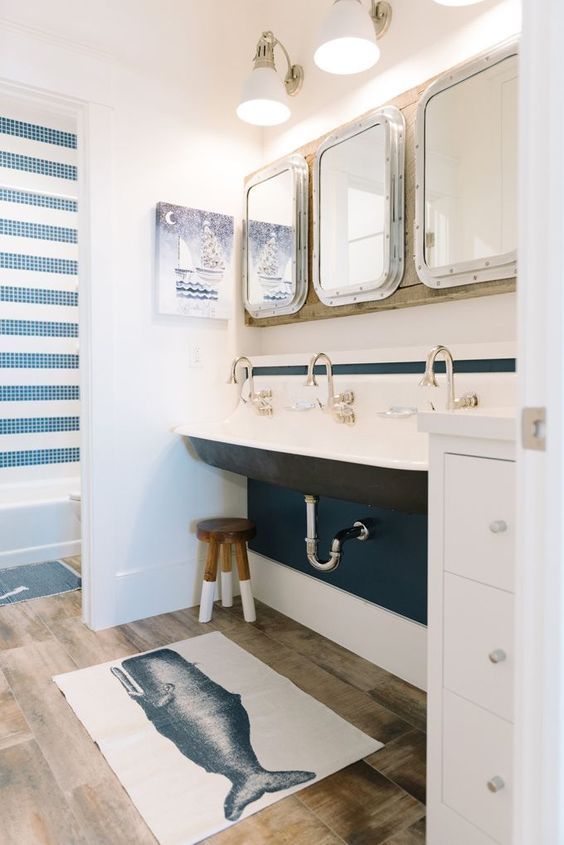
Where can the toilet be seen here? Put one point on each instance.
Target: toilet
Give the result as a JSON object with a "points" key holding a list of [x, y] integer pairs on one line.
{"points": [[75, 498]]}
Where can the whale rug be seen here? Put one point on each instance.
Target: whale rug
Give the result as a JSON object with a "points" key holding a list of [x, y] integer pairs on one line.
{"points": [[201, 734]]}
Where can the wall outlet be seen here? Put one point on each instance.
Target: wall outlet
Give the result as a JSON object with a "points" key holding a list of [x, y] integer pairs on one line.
{"points": [[196, 358]]}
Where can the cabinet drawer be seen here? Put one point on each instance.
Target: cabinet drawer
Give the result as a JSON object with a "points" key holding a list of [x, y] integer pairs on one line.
{"points": [[477, 749], [479, 516], [478, 643]]}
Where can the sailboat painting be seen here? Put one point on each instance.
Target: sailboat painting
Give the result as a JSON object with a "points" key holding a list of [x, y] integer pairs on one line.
{"points": [[271, 246], [194, 262]]}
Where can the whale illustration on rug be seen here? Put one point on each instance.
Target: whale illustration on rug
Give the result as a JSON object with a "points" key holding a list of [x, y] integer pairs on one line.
{"points": [[206, 722]]}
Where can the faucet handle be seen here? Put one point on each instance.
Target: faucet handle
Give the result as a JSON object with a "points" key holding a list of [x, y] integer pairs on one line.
{"points": [[343, 412], [347, 398], [468, 400]]}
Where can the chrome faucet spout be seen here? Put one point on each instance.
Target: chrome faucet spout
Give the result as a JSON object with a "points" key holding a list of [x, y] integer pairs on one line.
{"points": [[340, 405], [468, 400], [261, 401], [311, 380], [242, 359]]}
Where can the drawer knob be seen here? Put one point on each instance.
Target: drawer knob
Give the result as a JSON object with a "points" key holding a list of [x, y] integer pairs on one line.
{"points": [[496, 784], [498, 527], [497, 655]]}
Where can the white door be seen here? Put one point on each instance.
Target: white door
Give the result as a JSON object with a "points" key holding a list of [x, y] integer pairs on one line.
{"points": [[539, 805]]}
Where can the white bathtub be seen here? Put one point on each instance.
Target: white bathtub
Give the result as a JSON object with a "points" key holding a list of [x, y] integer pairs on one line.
{"points": [[38, 522]]}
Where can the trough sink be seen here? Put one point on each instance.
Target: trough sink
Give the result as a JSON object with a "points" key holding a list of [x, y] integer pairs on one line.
{"points": [[380, 461]]}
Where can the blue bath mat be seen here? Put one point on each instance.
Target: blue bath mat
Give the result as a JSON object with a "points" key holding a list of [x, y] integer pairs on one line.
{"points": [[36, 580]]}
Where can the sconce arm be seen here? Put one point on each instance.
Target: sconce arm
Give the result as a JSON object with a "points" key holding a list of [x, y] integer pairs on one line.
{"points": [[294, 78]]}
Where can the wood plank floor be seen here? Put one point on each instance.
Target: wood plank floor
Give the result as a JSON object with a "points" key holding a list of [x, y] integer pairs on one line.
{"points": [[56, 788]]}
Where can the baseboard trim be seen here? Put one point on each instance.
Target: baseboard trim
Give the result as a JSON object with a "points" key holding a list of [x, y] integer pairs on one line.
{"points": [[391, 641], [38, 554], [164, 588]]}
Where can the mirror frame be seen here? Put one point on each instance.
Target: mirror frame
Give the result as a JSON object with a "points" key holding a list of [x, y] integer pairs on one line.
{"points": [[495, 267], [393, 121], [297, 166]]}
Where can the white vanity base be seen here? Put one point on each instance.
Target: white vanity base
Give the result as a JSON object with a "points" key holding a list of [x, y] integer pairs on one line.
{"points": [[472, 487]]}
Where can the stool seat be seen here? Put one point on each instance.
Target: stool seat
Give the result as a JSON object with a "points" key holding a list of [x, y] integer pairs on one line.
{"points": [[224, 533], [226, 530]]}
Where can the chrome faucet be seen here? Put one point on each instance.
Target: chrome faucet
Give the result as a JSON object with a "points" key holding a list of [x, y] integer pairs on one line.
{"points": [[468, 400], [262, 401], [340, 405]]}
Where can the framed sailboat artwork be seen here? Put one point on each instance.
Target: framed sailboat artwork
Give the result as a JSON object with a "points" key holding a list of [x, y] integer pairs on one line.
{"points": [[194, 262]]}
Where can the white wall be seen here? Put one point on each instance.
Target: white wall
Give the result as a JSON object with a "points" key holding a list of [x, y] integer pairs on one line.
{"points": [[424, 39], [171, 73]]}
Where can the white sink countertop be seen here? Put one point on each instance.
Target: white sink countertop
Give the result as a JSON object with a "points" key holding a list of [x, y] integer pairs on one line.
{"points": [[396, 442], [489, 422]]}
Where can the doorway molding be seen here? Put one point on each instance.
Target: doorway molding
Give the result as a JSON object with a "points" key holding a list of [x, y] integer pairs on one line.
{"points": [[34, 66], [539, 722]]}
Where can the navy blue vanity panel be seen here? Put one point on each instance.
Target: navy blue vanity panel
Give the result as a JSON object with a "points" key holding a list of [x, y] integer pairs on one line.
{"points": [[390, 571]]}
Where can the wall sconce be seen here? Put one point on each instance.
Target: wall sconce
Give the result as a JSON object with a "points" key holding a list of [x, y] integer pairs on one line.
{"points": [[347, 40], [265, 96]]}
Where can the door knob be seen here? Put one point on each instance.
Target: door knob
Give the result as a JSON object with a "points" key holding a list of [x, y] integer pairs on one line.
{"points": [[497, 655], [498, 527], [496, 784]]}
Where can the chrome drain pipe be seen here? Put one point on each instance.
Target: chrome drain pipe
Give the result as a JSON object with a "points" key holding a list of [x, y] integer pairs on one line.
{"points": [[358, 531]]}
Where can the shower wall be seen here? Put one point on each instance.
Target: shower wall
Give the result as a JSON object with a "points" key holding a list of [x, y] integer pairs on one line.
{"points": [[39, 356]]}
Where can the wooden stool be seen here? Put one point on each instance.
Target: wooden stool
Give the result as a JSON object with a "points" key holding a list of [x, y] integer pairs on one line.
{"points": [[226, 532]]}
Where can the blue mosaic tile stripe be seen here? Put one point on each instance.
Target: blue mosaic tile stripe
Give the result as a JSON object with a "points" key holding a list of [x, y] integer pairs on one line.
{"points": [[38, 296], [30, 164], [35, 457], [38, 231], [39, 392], [38, 263], [38, 361], [38, 328], [39, 425], [34, 132], [40, 200]]}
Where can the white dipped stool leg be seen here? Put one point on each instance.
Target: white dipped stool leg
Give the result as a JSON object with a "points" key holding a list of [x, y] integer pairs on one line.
{"points": [[206, 601], [208, 587], [245, 583], [248, 601], [226, 576]]}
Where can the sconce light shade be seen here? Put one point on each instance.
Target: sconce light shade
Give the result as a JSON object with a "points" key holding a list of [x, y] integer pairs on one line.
{"points": [[264, 98], [347, 39], [457, 2]]}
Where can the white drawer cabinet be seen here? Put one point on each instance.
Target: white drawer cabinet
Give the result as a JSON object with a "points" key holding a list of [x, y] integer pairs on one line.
{"points": [[477, 760], [480, 519], [478, 644], [470, 635]]}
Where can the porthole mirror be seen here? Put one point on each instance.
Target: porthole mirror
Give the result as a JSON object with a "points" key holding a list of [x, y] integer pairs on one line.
{"points": [[275, 239], [466, 173], [358, 210]]}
